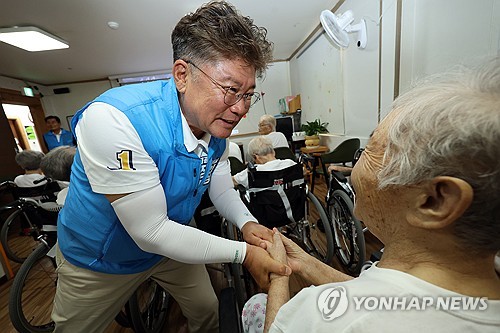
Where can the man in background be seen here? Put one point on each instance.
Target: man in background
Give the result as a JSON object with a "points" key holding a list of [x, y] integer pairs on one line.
{"points": [[57, 136]]}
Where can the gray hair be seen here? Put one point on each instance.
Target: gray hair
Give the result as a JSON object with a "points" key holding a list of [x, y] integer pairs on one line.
{"points": [[217, 31], [260, 146], [29, 159], [450, 126], [57, 163], [268, 120]]}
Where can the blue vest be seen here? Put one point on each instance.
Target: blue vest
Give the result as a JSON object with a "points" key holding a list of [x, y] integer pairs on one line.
{"points": [[89, 232], [66, 139]]}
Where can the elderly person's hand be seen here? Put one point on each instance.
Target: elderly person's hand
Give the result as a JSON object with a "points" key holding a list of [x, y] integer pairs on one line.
{"points": [[276, 249], [256, 234], [260, 264], [297, 258]]}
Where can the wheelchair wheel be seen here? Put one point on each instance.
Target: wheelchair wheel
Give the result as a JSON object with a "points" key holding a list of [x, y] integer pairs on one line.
{"points": [[348, 232], [148, 308], [32, 293], [18, 236], [310, 236]]}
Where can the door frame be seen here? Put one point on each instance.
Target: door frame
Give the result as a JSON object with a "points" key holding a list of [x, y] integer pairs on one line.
{"points": [[8, 96]]}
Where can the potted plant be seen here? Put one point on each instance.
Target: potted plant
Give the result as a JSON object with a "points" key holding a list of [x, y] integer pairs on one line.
{"points": [[312, 129]]}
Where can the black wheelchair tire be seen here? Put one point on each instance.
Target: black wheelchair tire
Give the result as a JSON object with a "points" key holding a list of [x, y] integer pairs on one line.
{"points": [[229, 313], [330, 248], [16, 313], [341, 203], [13, 223], [237, 271], [150, 316]]}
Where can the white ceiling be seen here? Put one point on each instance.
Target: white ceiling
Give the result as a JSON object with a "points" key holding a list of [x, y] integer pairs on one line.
{"points": [[142, 42]]}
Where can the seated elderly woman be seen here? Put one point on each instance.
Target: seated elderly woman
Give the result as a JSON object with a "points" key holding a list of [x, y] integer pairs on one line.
{"points": [[261, 153], [57, 165], [30, 160], [267, 127], [428, 187]]}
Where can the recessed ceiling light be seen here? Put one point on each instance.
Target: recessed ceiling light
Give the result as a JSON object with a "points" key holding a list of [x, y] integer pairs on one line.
{"points": [[31, 39]]}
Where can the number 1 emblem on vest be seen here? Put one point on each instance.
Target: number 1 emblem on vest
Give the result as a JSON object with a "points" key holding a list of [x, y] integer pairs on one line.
{"points": [[124, 157]]}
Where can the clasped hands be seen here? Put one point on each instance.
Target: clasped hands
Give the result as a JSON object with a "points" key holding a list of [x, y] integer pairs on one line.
{"points": [[270, 254]]}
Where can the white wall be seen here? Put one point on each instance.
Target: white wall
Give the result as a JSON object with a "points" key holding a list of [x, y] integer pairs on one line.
{"points": [[275, 84], [350, 75], [440, 34], [64, 105], [319, 81], [434, 36], [13, 84]]}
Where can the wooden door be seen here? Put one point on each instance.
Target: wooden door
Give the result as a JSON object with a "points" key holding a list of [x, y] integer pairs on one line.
{"points": [[8, 167]]}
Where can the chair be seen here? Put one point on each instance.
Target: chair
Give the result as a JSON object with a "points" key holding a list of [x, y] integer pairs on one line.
{"points": [[282, 153], [236, 165], [344, 153]]}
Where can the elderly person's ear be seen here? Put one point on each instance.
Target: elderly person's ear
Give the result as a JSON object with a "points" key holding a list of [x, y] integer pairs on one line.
{"points": [[441, 202]]}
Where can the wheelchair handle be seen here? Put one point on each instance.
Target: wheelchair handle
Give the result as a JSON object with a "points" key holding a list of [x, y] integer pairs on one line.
{"points": [[339, 176]]}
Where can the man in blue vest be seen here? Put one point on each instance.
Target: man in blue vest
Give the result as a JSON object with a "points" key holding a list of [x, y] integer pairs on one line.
{"points": [[57, 136], [146, 154]]}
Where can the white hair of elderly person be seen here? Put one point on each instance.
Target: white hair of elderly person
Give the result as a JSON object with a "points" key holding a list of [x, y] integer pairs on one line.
{"points": [[267, 127], [57, 166], [30, 160], [261, 153], [427, 185]]}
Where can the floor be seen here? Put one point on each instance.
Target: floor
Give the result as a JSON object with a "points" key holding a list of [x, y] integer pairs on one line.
{"points": [[176, 320]]}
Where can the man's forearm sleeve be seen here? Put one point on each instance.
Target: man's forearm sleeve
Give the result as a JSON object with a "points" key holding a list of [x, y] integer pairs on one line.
{"points": [[143, 214]]}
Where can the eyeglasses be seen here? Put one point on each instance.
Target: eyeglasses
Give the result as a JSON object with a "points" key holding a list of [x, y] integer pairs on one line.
{"points": [[231, 96]]}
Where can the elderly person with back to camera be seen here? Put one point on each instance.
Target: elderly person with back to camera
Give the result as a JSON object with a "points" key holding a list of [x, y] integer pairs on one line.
{"points": [[29, 160], [427, 186], [57, 166], [267, 127], [261, 152]]}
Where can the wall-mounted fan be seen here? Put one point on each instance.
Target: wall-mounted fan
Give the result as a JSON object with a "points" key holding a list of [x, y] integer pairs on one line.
{"points": [[338, 27]]}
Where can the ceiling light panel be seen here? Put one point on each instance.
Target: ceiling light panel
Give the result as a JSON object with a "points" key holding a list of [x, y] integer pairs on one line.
{"points": [[32, 39]]}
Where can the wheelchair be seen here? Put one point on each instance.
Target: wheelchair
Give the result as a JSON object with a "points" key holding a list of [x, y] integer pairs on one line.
{"points": [[240, 284], [347, 229], [145, 312], [33, 208], [282, 199]]}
